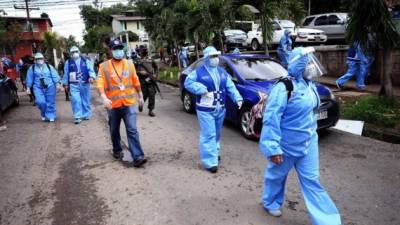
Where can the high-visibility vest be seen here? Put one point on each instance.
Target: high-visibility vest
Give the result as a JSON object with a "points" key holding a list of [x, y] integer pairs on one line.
{"points": [[120, 92]]}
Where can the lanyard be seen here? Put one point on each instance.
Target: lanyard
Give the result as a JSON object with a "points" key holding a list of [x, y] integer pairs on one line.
{"points": [[115, 70]]}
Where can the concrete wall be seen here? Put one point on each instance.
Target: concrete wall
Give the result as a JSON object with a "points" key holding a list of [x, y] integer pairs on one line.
{"points": [[334, 60]]}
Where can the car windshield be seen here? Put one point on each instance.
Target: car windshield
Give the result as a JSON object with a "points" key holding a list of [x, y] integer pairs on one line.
{"points": [[287, 24], [259, 69]]}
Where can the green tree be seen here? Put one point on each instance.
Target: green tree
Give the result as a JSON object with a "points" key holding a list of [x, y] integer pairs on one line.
{"points": [[371, 17], [51, 41], [96, 38], [10, 35], [101, 17]]}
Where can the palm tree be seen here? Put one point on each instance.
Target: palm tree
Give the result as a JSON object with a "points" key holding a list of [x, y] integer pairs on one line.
{"points": [[50, 41], [371, 17]]}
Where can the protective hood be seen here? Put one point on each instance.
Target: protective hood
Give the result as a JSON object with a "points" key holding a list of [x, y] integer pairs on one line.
{"points": [[209, 51], [303, 63], [287, 33], [74, 49], [39, 56]]}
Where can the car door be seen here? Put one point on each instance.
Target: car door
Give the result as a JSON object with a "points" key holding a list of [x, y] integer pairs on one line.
{"points": [[278, 32], [336, 27], [321, 23], [231, 107], [4, 93]]}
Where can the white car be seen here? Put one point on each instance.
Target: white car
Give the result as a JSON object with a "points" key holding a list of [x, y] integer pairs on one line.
{"points": [[333, 24], [300, 35]]}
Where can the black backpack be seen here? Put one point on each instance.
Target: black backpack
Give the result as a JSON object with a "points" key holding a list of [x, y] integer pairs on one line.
{"points": [[288, 84]]}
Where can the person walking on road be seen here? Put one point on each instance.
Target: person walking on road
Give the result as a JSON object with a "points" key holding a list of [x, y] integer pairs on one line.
{"points": [[285, 46], [357, 65], [211, 84], [147, 83], [289, 140], [120, 90], [78, 75], [45, 81]]}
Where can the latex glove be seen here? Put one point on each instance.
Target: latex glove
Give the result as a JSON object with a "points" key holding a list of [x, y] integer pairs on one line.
{"points": [[240, 103], [91, 80], [28, 91], [141, 102], [277, 159], [59, 88], [107, 103]]}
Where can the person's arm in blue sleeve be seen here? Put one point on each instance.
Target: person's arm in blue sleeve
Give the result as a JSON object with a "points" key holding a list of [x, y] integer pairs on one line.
{"points": [[271, 133], [54, 74], [232, 91], [90, 68], [66, 73], [29, 77], [193, 86]]}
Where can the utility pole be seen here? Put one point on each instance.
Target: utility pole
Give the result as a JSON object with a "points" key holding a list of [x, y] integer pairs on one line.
{"points": [[27, 8], [309, 7]]}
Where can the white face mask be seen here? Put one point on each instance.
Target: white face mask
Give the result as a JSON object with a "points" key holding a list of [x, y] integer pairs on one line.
{"points": [[310, 72], [214, 62], [40, 61], [75, 55]]}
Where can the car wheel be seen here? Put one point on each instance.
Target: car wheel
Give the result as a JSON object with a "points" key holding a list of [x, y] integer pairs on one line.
{"points": [[16, 98], [244, 123], [187, 102], [255, 45]]}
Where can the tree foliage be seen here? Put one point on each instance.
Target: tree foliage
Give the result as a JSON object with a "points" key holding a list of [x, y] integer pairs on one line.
{"points": [[10, 34], [96, 37]]}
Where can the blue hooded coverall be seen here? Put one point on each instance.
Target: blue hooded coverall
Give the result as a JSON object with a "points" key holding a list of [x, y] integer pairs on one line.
{"points": [[45, 97], [211, 118], [183, 55], [290, 130], [357, 63], [285, 46], [80, 89]]}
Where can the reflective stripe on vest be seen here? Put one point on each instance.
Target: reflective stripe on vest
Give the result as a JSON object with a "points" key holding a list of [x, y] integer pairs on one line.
{"points": [[107, 76], [118, 97]]}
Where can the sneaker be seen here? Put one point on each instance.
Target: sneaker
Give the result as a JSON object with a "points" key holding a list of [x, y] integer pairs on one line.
{"points": [[140, 162], [151, 114], [86, 118], [3, 127], [77, 121], [43, 118], [52, 120], [117, 155], [275, 212], [213, 169]]}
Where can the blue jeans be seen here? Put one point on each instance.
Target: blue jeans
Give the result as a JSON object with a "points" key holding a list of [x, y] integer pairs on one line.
{"points": [[128, 114]]}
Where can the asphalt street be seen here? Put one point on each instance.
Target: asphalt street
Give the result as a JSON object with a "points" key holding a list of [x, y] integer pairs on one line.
{"points": [[60, 173]]}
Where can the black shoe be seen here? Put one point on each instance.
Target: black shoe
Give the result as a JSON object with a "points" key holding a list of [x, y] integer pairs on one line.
{"points": [[213, 169], [140, 162], [117, 155], [151, 113]]}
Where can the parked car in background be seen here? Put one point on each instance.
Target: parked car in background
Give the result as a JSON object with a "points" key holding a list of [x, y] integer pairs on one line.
{"points": [[8, 93], [333, 24], [298, 35], [234, 39], [254, 75]]}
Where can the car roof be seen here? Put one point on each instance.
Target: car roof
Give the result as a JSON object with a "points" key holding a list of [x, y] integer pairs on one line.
{"points": [[246, 55], [324, 14]]}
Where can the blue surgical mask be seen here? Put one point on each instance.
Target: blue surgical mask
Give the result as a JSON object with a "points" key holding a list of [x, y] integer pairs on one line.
{"points": [[40, 61], [118, 54], [75, 55]]}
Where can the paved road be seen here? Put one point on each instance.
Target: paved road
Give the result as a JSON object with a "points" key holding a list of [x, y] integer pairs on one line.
{"points": [[63, 173]]}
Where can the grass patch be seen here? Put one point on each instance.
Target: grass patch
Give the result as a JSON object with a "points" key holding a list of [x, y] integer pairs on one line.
{"points": [[169, 74], [376, 110]]}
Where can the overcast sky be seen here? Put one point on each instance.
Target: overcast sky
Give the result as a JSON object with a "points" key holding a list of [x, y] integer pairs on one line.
{"points": [[65, 17]]}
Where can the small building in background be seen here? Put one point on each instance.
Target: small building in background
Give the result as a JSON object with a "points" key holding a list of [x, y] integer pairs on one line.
{"points": [[131, 21], [30, 40]]}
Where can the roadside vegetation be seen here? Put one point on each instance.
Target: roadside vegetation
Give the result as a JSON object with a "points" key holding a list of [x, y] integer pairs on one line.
{"points": [[380, 111]]}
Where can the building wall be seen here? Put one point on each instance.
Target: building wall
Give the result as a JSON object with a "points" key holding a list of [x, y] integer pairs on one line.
{"points": [[116, 26]]}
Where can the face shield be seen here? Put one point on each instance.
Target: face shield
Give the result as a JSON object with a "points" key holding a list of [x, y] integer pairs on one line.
{"points": [[314, 68]]}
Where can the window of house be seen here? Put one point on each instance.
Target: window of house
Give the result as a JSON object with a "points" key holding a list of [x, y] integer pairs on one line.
{"points": [[35, 27], [322, 20]]}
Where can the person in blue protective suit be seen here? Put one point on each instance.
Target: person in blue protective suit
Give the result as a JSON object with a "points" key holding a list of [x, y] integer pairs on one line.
{"points": [[236, 51], [184, 56], [211, 84], [357, 63], [289, 140], [45, 82], [78, 75], [285, 46]]}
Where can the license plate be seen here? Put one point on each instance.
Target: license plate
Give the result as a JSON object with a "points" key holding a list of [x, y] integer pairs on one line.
{"points": [[317, 38], [322, 115]]}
